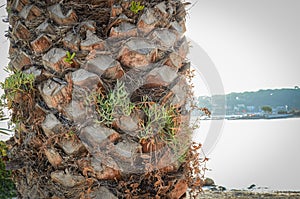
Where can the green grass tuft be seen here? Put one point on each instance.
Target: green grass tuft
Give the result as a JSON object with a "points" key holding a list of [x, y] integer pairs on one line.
{"points": [[116, 102], [135, 7], [15, 83], [70, 57]]}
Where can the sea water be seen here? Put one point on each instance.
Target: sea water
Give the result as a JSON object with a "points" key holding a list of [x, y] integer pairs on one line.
{"points": [[261, 152]]}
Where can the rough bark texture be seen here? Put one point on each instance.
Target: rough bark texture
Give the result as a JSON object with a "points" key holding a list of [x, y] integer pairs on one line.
{"points": [[59, 150]]}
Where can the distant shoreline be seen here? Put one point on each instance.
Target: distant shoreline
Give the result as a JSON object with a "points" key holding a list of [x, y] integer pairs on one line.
{"points": [[245, 194], [250, 117], [260, 116]]}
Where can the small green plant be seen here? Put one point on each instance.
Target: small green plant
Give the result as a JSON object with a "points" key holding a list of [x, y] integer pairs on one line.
{"points": [[157, 117], [8, 10], [135, 7], [161, 121], [71, 133], [163, 124], [3, 149], [70, 57], [116, 102], [16, 82], [7, 187]]}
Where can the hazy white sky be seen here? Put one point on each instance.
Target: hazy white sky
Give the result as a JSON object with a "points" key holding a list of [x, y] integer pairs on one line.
{"points": [[3, 41], [253, 44]]}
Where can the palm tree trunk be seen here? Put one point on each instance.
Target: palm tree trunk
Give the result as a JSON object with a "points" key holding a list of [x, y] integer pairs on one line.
{"points": [[105, 115]]}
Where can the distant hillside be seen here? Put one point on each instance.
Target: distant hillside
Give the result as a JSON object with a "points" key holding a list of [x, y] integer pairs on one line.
{"points": [[278, 99]]}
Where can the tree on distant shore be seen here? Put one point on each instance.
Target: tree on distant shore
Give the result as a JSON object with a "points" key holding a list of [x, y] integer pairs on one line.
{"points": [[266, 109]]}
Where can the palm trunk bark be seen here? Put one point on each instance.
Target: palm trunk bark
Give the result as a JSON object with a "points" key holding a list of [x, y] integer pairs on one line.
{"points": [[106, 114]]}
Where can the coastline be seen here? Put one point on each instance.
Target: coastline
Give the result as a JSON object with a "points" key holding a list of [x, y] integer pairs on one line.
{"points": [[249, 116], [247, 194], [212, 191]]}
